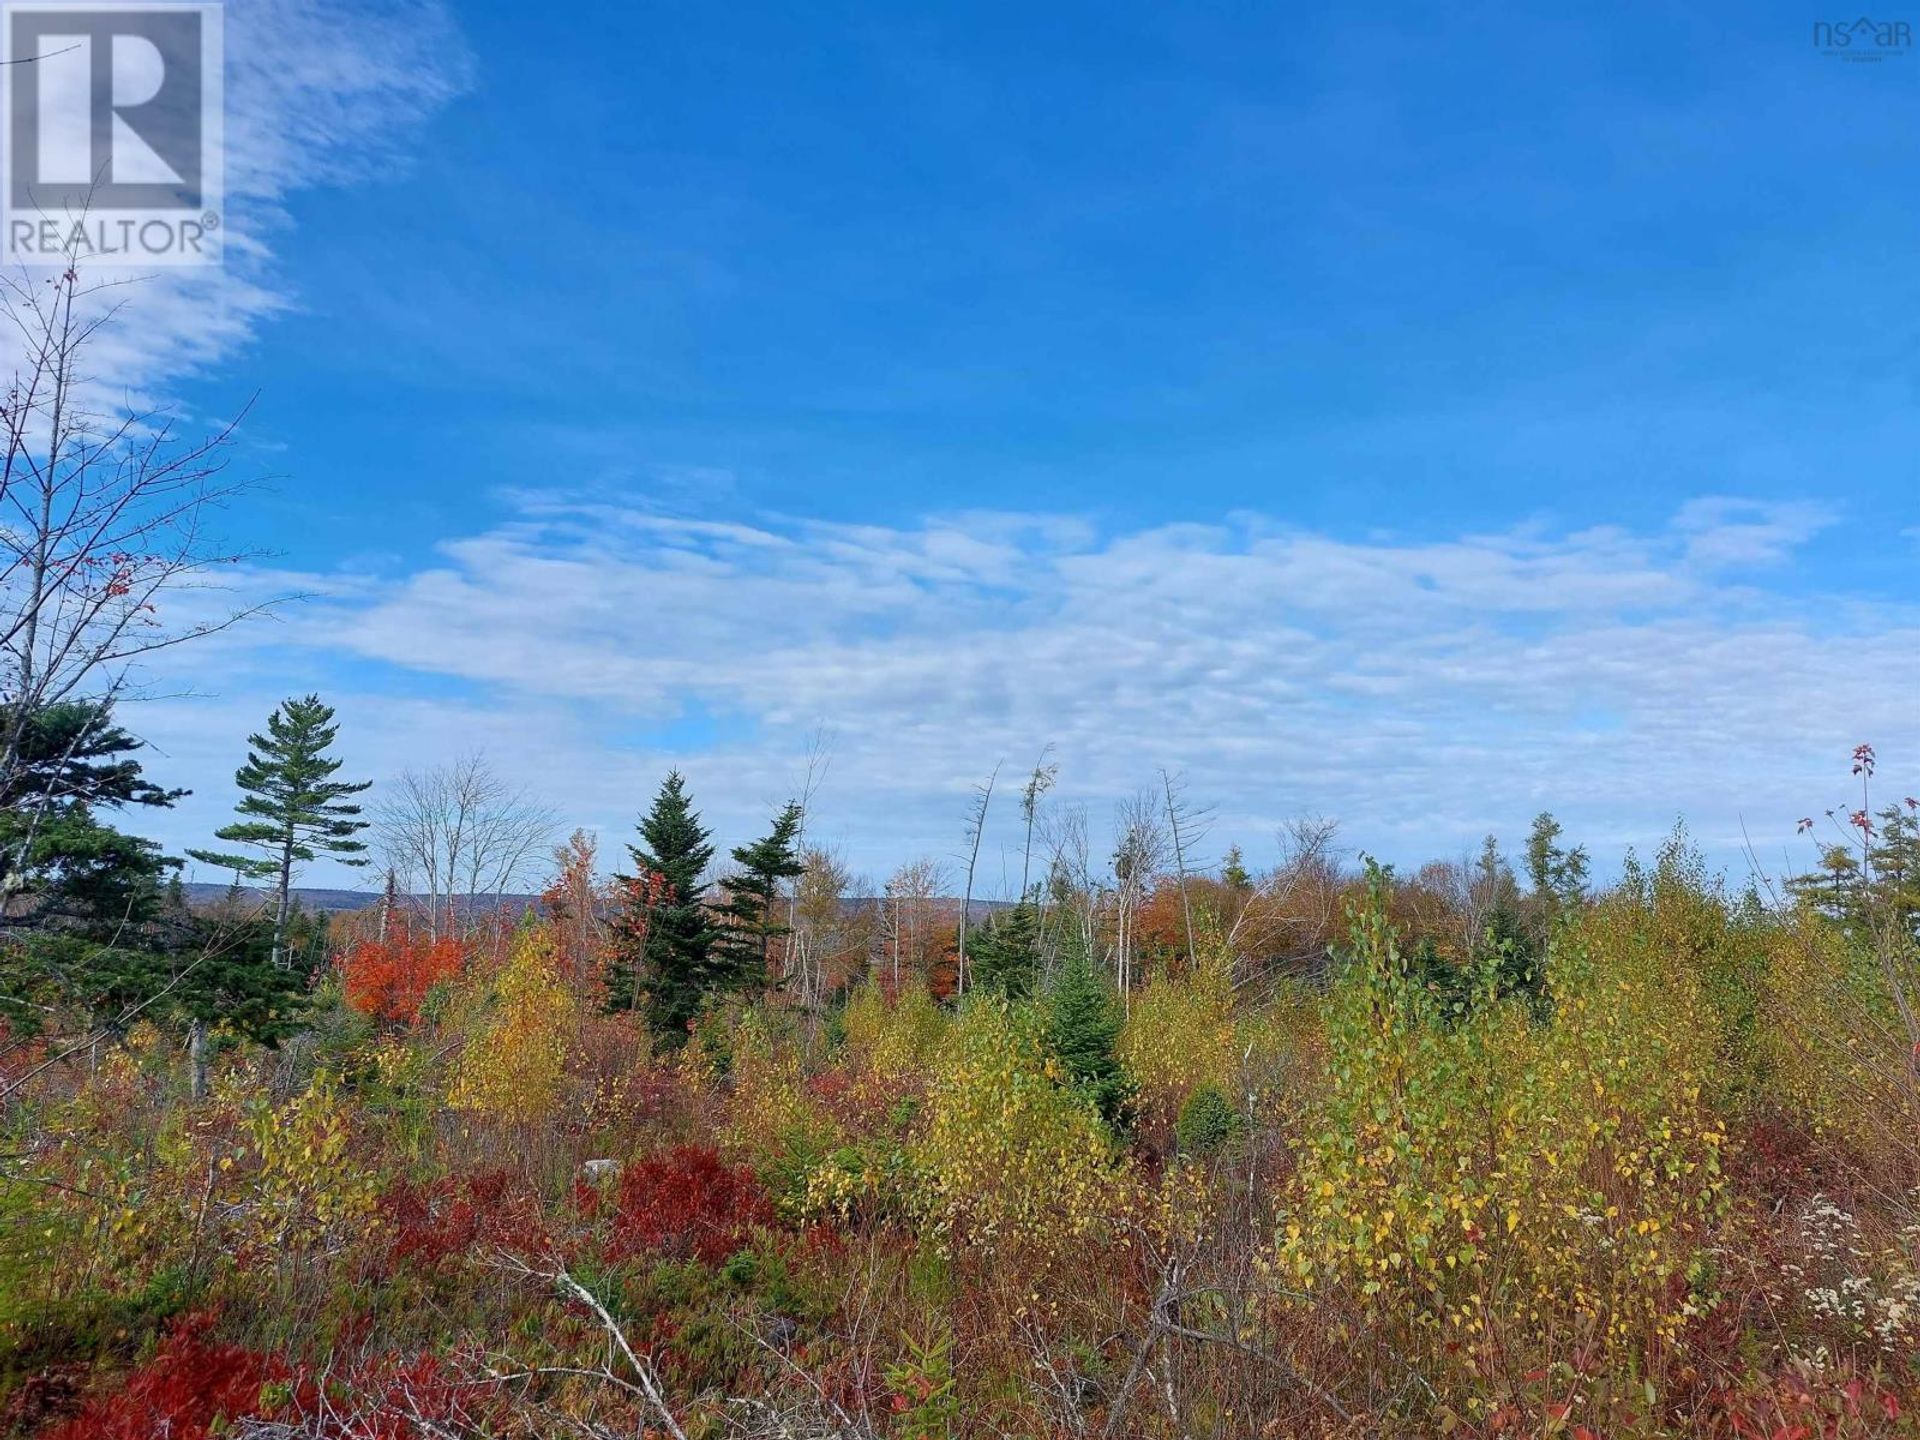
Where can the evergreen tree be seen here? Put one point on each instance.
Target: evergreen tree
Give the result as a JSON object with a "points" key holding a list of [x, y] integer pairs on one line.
{"points": [[227, 969], [662, 953], [111, 933], [1492, 883], [1504, 963], [1233, 871], [295, 809], [1558, 875], [1511, 956], [64, 866], [87, 897], [74, 753], [751, 911], [1083, 1026], [1895, 853], [1006, 954], [1207, 1122], [1874, 881]]}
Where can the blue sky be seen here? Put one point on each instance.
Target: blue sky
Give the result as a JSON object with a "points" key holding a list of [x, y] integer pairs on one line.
{"points": [[1419, 418]]}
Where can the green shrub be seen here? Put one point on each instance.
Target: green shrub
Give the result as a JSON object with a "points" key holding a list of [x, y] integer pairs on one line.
{"points": [[1208, 1121]]}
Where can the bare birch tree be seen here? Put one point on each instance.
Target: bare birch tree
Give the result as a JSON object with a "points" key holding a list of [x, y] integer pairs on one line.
{"points": [[976, 828], [1187, 827], [1073, 889], [1038, 784], [1138, 852], [1294, 912], [819, 759], [828, 938], [460, 832]]}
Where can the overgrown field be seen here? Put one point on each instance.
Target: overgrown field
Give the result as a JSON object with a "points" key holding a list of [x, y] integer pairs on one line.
{"points": [[1650, 1171]]}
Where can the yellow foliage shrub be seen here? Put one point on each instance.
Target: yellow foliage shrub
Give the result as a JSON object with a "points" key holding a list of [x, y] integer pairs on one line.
{"points": [[1836, 1047], [116, 1193], [514, 1066], [1179, 1035], [894, 1040], [1511, 1181], [1008, 1155], [768, 1110], [307, 1192]]}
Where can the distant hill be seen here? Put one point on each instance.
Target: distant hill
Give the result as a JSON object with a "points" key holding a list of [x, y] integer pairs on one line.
{"points": [[336, 902], [339, 902]]}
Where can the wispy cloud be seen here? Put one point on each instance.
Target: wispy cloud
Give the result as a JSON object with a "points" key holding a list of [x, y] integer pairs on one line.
{"points": [[1425, 691], [318, 93]]}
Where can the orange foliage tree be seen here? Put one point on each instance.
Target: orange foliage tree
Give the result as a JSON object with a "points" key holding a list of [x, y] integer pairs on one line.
{"points": [[389, 978]]}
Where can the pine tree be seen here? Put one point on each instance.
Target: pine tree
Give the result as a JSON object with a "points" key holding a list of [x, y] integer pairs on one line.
{"points": [[751, 913], [1083, 1026], [662, 952], [63, 865], [89, 898], [295, 809]]}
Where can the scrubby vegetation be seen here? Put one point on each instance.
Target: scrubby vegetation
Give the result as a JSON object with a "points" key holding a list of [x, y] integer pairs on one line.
{"points": [[1351, 1153]]}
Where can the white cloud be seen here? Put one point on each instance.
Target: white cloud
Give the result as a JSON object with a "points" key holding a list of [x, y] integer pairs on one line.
{"points": [[1726, 532], [1423, 691], [318, 93]]}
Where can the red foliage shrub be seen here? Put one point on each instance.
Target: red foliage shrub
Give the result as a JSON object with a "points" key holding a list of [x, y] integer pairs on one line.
{"points": [[390, 979], [406, 1392], [1835, 1405], [686, 1203], [191, 1385], [463, 1215], [831, 1085]]}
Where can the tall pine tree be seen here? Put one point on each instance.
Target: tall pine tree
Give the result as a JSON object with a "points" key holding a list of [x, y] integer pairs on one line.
{"points": [[752, 912], [295, 810], [662, 955]]}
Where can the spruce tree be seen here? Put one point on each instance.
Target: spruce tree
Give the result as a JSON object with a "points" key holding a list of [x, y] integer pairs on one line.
{"points": [[73, 753], [295, 810], [751, 911], [1233, 871], [663, 956], [64, 867], [1006, 954], [1558, 875], [1083, 1027]]}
